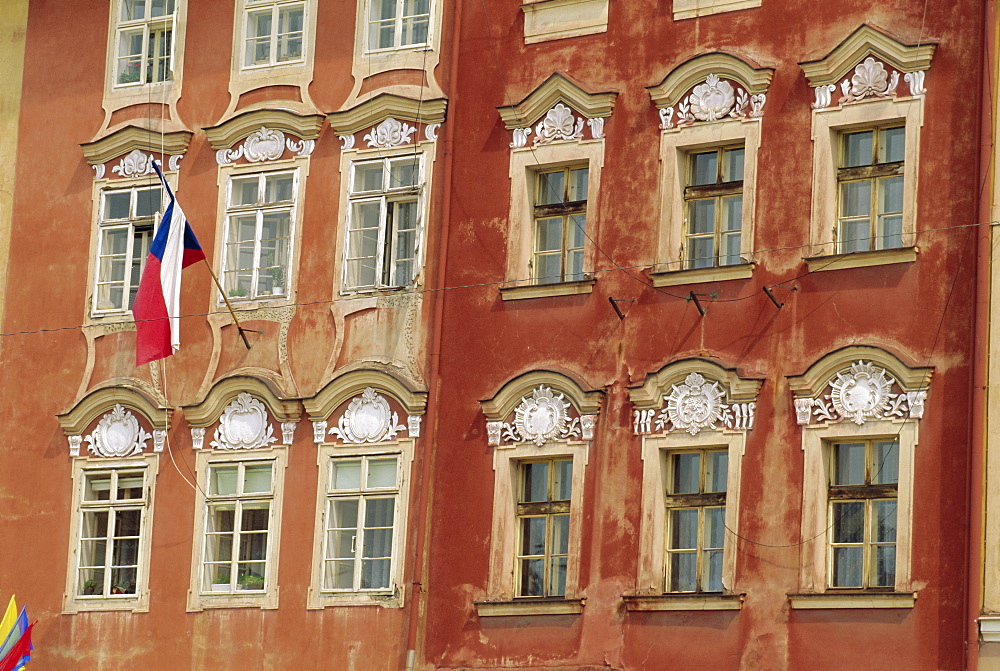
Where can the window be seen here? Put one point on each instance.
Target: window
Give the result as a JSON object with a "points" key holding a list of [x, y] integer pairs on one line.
{"points": [[543, 507], [871, 189], [274, 33], [696, 513], [238, 512], [361, 518], [560, 225], [384, 216], [112, 524], [393, 24], [864, 477], [145, 35], [125, 230], [714, 203], [259, 220]]}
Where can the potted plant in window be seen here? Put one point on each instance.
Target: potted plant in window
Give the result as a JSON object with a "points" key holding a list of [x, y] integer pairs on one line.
{"points": [[220, 583], [251, 581], [90, 587], [277, 276]]}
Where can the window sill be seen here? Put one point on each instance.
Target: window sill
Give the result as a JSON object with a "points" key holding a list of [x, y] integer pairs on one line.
{"points": [[139, 604], [662, 602], [989, 628], [882, 257], [673, 278], [690, 9], [207, 600], [832, 600], [547, 290], [319, 601], [529, 607]]}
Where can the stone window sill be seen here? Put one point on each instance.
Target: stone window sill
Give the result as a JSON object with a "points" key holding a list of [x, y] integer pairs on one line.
{"points": [[662, 602], [546, 20], [529, 607], [674, 278], [866, 600], [689, 9], [881, 257], [989, 628], [547, 290]]}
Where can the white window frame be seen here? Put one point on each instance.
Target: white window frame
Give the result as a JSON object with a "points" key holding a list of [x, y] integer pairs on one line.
{"points": [[198, 597], [147, 25], [386, 198], [366, 22], [393, 597], [73, 601], [275, 6], [293, 207]]}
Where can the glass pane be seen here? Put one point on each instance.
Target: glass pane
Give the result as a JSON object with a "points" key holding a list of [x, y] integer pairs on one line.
{"points": [[884, 517], [382, 473], [701, 216], [713, 569], [704, 168], [414, 31], [578, 184], [551, 188], [560, 535], [684, 529], [890, 197], [367, 177], [123, 580], [716, 471], [848, 521], [129, 486], [344, 515], [147, 202], [221, 518], [856, 198], [574, 266], [730, 253], [533, 536], [92, 582], [890, 232], [557, 577], [375, 573], [347, 474], [857, 149], [701, 252], [885, 469], [127, 523], [854, 235], [535, 481], [548, 234], [133, 10], [245, 190], [250, 576], [532, 577], [379, 513], [732, 213], [383, 9], [686, 473], [548, 268], [891, 145], [562, 483], [715, 528], [847, 567], [97, 487], [116, 205], [885, 566], [732, 165], [278, 188], [340, 575], [95, 524], [403, 174], [683, 571], [257, 478], [222, 480], [849, 464], [577, 230]]}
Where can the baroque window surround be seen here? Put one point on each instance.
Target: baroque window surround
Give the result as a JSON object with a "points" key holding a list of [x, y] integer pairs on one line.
{"points": [[539, 415], [122, 436], [387, 126], [251, 424], [861, 84], [558, 124], [361, 413], [854, 394], [689, 404], [713, 100]]}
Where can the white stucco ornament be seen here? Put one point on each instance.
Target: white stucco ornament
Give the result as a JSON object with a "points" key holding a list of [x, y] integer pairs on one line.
{"points": [[695, 405], [368, 419], [860, 393], [135, 164], [713, 99], [870, 79], [118, 434], [390, 133], [559, 124], [266, 144], [244, 425]]}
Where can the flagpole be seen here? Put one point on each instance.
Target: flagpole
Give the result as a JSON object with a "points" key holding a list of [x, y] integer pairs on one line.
{"points": [[228, 304]]}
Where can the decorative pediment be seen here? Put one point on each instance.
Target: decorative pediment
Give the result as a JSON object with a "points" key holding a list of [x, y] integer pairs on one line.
{"points": [[369, 418], [118, 435], [694, 395], [868, 64], [859, 384], [385, 117], [541, 407], [263, 135], [265, 144], [135, 149], [119, 432], [709, 88], [225, 391], [244, 425]]}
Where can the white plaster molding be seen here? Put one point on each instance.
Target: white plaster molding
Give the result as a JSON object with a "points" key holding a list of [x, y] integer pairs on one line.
{"points": [[134, 164], [520, 137], [870, 79], [348, 141], [915, 80], [713, 100], [74, 445], [596, 127], [431, 131], [559, 124], [695, 405], [368, 419], [98, 171], [390, 133], [541, 416], [666, 118], [227, 156], [244, 425], [159, 440], [587, 425], [319, 431], [860, 393], [197, 437], [174, 163], [413, 425], [287, 432], [117, 435], [493, 430], [266, 144], [824, 95], [300, 148]]}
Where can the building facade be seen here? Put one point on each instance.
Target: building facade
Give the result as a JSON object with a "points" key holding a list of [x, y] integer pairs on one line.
{"points": [[573, 334]]}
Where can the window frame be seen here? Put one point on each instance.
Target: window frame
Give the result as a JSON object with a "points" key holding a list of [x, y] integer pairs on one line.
{"points": [[147, 25], [566, 211], [258, 6], [872, 173], [366, 23], [716, 192], [73, 601], [267, 598], [387, 197], [394, 597], [547, 509]]}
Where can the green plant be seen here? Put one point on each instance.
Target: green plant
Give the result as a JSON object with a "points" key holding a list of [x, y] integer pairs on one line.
{"points": [[90, 587], [250, 581], [238, 292], [277, 272], [221, 579]]}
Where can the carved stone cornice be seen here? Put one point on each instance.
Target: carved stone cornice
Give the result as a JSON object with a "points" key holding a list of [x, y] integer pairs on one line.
{"points": [[511, 394], [227, 390], [131, 138], [385, 105], [241, 126], [355, 382], [126, 392], [557, 88], [863, 42], [696, 70], [818, 376], [658, 384]]}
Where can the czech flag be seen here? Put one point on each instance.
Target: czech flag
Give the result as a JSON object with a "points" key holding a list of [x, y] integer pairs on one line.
{"points": [[157, 303]]}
